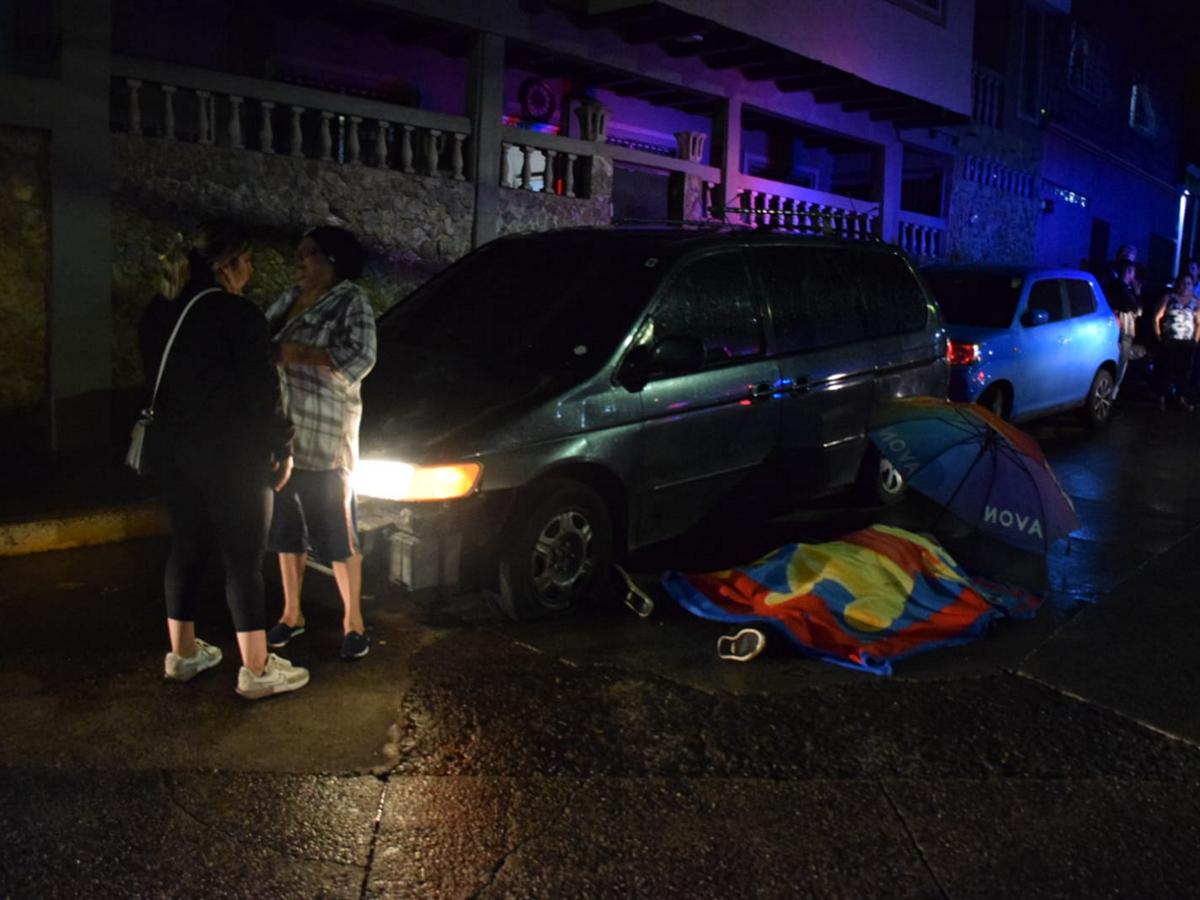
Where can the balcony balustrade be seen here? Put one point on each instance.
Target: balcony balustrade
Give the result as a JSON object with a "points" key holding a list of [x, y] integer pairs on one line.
{"points": [[186, 104], [923, 237]]}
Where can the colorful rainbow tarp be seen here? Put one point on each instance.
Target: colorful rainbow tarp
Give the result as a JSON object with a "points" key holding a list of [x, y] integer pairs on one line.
{"points": [[863, 601]]}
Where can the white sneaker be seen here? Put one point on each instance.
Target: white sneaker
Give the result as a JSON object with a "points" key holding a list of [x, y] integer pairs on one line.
{"points": [[279, 676], [743, 646], [185, 668]]}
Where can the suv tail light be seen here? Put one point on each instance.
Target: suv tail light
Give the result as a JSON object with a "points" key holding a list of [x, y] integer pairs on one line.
{"points": [[960, 354]]}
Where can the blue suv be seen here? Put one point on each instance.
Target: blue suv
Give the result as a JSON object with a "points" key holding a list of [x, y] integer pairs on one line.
{"points": [[1028, 342]]}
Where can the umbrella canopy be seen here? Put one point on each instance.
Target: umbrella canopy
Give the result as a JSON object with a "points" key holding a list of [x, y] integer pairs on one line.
{"points": [[978, 467]]}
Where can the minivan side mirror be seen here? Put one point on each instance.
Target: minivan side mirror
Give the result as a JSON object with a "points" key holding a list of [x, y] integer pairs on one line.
{"points": [[673, 355], [1033, 317]]}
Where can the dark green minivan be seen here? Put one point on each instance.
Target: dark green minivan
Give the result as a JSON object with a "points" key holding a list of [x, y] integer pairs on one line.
{"points": [[554, 400]]}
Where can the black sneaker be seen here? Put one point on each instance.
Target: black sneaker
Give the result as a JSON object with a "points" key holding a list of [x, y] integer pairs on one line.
{"points": [[281, 633], [355, 645]]}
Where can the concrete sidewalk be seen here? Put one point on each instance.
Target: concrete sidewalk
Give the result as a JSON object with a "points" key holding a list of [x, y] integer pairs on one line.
{"points": [[66, 501]]}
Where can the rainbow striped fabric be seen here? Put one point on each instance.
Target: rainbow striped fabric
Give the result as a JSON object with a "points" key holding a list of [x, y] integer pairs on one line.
{"points": [[863, 601]]}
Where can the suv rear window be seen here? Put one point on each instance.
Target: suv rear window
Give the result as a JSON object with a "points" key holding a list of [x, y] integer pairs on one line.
{"points": [[985, 299], [539, 304]]}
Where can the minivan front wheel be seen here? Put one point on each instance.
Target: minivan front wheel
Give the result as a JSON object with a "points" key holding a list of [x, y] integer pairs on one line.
{"points": [[558, 553]]}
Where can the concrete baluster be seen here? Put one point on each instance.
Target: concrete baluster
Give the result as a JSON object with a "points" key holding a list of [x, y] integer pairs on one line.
{"points": [[548, 175], [406, 148], [266, 136], [297, 137], [235, 121], [381, 151], [527, 168], [352, 143], [202, 117], [710, 191], [435, 142], [326, 138], [569, 176], [135, 109], [505, 167], [456, 157], [168, 111]]}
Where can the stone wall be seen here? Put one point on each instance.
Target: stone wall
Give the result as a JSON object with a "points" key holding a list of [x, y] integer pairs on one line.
{"points": [[521, 211], [24, 265], [414, 225], [986, 224]]}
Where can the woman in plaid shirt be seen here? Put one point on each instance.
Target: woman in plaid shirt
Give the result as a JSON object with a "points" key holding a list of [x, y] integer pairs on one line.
{"points": [[324, 334]]}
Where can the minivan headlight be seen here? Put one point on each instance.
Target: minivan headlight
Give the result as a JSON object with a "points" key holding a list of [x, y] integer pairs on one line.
{"points": [[388, 479]]}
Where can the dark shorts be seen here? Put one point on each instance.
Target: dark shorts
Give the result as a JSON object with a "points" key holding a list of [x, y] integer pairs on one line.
{"points": [[315, 512]]}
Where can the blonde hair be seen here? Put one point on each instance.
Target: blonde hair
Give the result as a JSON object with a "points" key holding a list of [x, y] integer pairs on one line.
{"points": [[184, 258]]}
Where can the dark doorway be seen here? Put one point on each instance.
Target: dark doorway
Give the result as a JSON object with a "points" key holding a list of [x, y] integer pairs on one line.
{"points": [[1098, 245], [1161, 258], [639, 194]]}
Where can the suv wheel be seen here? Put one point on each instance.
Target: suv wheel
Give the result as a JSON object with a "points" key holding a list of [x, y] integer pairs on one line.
{"points": [[1097, 409], [559, 552], [881, 482], [995, 401]]}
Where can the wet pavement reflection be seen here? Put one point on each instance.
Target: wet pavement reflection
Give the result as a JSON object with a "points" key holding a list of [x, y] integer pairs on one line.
{"points": [[603, 754]]}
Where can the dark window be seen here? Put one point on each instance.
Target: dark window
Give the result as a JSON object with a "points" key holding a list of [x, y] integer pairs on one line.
{"points": [[1031, 65], [986, 299], [710, 298], [1080, 297], [815, 295], [1047, 295]]}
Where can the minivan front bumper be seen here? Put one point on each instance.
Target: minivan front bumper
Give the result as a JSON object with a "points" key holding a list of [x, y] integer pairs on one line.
{"points": [[444, 545]]}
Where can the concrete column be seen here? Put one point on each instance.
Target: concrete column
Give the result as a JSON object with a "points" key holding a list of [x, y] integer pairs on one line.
{"points": [[80, 314], [727, 150], [889, 169], [485, 106]]}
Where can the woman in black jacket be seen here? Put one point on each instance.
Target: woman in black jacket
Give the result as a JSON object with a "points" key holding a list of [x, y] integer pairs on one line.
{"points": [[222, 444]]}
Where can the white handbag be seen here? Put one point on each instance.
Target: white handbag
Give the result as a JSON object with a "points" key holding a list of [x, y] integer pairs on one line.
{"points": [[136, 457]]}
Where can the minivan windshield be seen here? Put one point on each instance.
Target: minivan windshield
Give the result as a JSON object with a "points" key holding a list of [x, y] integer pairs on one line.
{"points": [[541, 304], [985, 299]]}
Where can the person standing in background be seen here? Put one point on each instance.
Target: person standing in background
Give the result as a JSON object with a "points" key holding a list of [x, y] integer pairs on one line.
{"points": [[324, 335]]}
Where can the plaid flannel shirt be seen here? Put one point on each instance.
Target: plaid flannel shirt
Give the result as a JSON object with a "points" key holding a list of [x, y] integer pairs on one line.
{"points": [[325, 403]]}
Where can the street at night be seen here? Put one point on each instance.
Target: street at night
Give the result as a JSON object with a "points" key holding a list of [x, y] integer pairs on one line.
{"points": [[599, 449], [606, 755]]}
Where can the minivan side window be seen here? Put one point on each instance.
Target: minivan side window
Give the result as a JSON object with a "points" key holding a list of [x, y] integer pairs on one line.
{"points": [[814, 294], [710, 298], [1080, 297], [1047, 295]]}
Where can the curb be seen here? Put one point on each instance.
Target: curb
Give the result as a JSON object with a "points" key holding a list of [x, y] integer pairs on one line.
{"points": [[103, 526]]}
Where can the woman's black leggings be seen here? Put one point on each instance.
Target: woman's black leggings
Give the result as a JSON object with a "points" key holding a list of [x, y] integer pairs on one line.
{"points": [[217, 503], [1178, 370]]}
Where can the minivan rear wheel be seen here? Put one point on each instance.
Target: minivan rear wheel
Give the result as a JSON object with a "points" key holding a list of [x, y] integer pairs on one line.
{"points": [[559, 551], [881, 482]]}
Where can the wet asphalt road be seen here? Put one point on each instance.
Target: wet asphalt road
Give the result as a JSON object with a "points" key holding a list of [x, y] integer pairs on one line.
{"points": [[609, 756]]}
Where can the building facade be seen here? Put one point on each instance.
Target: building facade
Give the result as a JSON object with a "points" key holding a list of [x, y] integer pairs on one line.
{"points": [[431, 127]]}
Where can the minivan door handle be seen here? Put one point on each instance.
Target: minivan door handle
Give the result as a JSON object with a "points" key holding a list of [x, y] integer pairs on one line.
{"points": [[762, 391]]}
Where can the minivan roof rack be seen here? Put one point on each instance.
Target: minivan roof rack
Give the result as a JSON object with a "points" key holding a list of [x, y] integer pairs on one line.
{"points": [[700, 224]]}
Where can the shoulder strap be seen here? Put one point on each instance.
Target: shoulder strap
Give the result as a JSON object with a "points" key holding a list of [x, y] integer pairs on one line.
{"points": [[162, 363]]}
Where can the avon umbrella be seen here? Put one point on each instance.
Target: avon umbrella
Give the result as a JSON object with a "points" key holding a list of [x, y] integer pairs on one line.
{"points": [[984, 471]]}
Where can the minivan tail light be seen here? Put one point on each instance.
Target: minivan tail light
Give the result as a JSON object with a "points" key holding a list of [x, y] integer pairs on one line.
{"points": [[960, 354], [388, 479]]}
